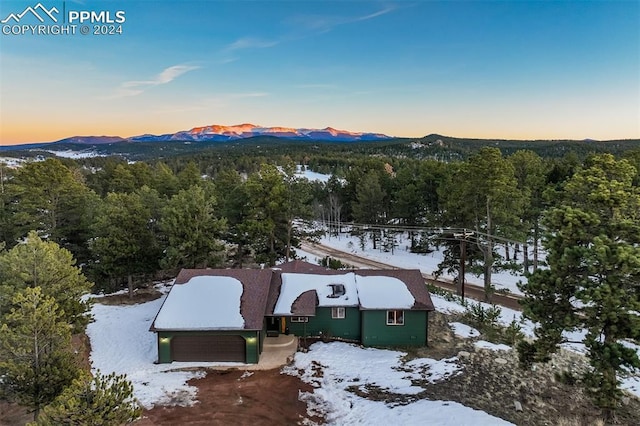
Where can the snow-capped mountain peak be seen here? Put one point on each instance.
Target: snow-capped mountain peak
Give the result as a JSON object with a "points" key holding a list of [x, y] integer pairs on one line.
{"points": [[217, 132]]}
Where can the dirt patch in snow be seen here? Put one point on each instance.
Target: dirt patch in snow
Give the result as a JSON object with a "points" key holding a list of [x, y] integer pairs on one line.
{"points": [[228, 397], [13, 414], [140, 295], [82, 347]]}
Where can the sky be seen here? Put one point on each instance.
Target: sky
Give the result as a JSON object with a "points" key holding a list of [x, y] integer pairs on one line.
{"points": [[481, 69]]}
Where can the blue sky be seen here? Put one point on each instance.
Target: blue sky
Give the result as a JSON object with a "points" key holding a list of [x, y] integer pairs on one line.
{"points": [[486, 69]]}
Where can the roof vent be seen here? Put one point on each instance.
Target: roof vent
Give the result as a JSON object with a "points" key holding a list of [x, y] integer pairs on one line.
{"points": [[337, 290]]}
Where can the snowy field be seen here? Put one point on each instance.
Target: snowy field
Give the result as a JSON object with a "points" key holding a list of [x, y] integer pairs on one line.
{"points": [[344, 365], [87, 153], [121, 342], [12, 162], [310, 175]]}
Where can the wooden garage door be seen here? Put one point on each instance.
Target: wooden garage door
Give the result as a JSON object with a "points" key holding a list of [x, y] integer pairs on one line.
{"points": [[208, 348]]}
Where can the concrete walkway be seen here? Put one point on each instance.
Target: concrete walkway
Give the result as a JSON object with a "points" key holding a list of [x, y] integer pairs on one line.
{"points": [[276, 352]]}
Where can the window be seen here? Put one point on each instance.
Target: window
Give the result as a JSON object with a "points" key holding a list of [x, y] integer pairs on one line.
{"points": [[395, 317], [299, 319], [337, 313]]}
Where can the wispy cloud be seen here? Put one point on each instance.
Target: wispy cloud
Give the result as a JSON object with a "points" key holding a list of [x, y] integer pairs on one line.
{"points": [[136, 87], [304, 26], [250, 43], [324, 23]]}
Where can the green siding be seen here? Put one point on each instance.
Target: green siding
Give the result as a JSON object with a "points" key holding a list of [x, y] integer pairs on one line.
{"points": [[322, 324], [263, 335], [376, 332], [252, 338]]}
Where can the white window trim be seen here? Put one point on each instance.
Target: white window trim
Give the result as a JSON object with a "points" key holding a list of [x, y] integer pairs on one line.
{"points": [[338, 312], [299, 319], [395, 321]]}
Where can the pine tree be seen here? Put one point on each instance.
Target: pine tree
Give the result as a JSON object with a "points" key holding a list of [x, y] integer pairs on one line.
{"points": [[125, 242], [233, 204], [483, 195], [369, 207], [38, 263], [192, 229], [36, 361], [593, 275], [52, 199], [530, 172], [275, 200], [98, 401]]}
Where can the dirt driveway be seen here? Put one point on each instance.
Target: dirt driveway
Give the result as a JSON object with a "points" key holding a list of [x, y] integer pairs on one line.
{"points": [[238, 397]]}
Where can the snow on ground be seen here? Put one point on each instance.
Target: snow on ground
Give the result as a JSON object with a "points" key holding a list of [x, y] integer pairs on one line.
{"points": [[344, 365], [12, 162], [75, 154], [308, 174], [463, 330], [631, 384], [122, 343], [307, 257], [483, 344], [506, 317], [427, 263]]}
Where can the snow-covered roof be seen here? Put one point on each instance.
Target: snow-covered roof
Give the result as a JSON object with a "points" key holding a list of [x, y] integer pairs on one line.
{"points": [[202, 303], [379, 292], [349, 289], [293, 285]]}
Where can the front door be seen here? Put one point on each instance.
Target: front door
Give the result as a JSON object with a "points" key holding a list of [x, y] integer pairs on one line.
{"points": [[273, 326]]}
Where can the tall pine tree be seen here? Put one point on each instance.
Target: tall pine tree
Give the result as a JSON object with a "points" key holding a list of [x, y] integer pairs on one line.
{"points": [[36, 358], [594, 273], [44, 264], [192, 229]]}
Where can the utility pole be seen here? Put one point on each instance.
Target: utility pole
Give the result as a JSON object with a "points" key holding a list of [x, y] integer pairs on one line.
{"points": [[463, 258]]}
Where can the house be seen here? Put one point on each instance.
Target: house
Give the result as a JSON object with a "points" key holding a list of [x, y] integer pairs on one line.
{"points": [[226, 314]]}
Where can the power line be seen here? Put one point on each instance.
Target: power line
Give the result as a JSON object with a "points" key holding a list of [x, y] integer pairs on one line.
{"points": [[473, 236]]}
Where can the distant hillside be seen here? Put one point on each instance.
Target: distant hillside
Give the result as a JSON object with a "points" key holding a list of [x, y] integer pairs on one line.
{"points": [[217, 133], [434, 146]]}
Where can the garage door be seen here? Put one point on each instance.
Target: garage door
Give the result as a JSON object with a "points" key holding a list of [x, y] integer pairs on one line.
{"points": [[208, 348]]}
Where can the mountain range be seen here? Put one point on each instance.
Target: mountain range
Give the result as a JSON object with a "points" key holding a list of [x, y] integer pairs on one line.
{"points": [[219, 133]]}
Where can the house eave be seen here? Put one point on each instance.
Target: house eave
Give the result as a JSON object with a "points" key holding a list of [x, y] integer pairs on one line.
{"points": [[155, 329]]}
